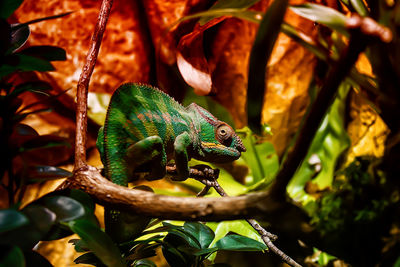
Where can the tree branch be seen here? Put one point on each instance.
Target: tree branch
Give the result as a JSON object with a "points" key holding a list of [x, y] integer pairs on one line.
{"points": [[106, 193], [83, 84]]}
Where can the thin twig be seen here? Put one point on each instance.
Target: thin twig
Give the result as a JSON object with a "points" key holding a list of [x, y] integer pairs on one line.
{"points": [[83, 84], [265, 235]]}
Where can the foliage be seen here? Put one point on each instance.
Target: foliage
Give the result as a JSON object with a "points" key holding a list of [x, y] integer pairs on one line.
{"points": [[22, 159], [347, 199], [187, 245], [47, 218], [27, 157], [357, 197]]}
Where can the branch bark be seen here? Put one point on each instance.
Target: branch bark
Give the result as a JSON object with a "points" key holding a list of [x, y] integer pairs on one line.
{"points": [[106, 193], [83, 84]]}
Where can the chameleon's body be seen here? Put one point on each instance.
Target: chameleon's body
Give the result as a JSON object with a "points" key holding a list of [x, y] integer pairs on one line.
{"points": [[145, 128]]}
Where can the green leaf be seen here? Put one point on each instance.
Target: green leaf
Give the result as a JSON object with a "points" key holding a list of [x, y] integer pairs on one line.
{"points": [[260, 157], [19, 62], [45, 173], [197, 251], [47, 52], [31, 87], [65, 208], [41, 221], [144, 263], [189, 238], [11, 219], [13, 257], [79, 245], [260, 53], [89, 258], [7, 7], [98, 242], [82, 198], [330, 141], [360, 7], [173, 256], [19, 36], [322, 14], [239, 243], [240, 227], [227, 5], [201, 232]]}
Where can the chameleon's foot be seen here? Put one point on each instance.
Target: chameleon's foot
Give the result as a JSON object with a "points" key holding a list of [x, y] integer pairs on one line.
{"points": [[204, 171]]}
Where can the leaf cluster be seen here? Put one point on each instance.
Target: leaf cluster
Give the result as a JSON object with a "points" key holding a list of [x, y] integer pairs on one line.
{"points": [[50, 217], [26, 157], [187, 245]]}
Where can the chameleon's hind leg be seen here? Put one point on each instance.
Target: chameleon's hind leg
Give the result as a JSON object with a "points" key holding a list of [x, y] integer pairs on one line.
{"points": [[148, 150]]}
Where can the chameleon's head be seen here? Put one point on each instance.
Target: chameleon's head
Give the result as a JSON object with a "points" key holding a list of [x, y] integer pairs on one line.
{"points": [[218, 141]]}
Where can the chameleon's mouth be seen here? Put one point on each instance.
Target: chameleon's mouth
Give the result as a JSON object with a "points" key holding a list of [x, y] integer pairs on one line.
{"points": [[229, 151]]}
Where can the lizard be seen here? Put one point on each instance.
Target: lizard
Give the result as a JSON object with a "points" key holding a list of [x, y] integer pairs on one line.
{"points": [[145, 128]]}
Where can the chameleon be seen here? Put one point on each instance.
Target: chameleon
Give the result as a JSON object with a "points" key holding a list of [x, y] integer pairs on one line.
{"points": [[145, 128]]}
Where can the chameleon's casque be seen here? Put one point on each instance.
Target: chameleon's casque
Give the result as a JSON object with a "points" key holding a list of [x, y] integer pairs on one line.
{"points": [[144, 129]]}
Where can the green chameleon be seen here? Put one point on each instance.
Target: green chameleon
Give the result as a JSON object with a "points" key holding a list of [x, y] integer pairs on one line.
{"points": [[145, 128]]}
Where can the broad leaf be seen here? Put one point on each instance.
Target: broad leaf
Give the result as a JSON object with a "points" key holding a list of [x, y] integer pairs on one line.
{"points": [[240, 227], [322, 14], [19, 62], [79, 245], [88, 258], [260, 157], [11, 219], [45, 173], [98, 242], [47, 52], [41, 221], [174, 256], [39, 86], [19, 36], [201, 232], [65, 208], [227, 5], [329, 143], [197, 251], [144, 263], [360, 7], [239, 243]]}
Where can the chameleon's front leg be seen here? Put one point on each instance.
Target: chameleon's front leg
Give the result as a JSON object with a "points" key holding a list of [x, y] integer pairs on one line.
{"points": [[121, 225], [181, 145], [149, 150]]}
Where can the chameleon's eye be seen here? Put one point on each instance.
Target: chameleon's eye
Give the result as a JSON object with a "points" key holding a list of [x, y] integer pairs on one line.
{"points": [[224, 134]]}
